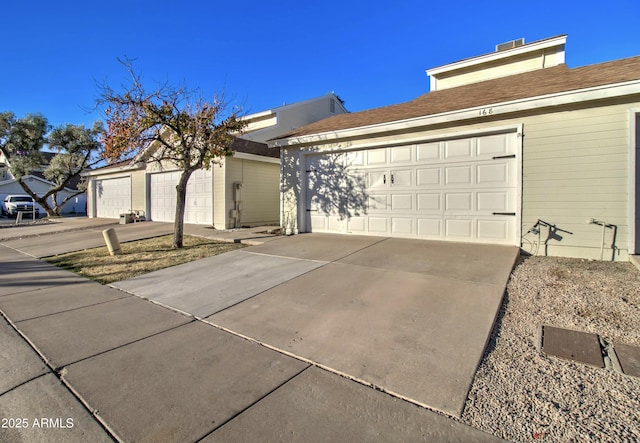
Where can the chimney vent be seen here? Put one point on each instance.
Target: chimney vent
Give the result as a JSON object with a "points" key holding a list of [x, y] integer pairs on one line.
{"points": [[510, 45]]}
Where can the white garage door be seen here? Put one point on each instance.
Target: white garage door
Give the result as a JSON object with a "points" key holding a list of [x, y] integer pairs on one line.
{"points": [[461, 190], [112, 197], [199, 206]]}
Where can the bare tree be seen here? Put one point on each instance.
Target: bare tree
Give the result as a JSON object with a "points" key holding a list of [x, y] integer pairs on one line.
{"points": [[168, 125]]}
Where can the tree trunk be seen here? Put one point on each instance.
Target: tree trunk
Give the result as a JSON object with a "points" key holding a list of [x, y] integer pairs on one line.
{"points": [[178, 225], [40, 200]]}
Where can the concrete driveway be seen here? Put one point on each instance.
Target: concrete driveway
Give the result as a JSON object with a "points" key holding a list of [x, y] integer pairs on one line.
{"points": [[409, 317], [286, 328]]}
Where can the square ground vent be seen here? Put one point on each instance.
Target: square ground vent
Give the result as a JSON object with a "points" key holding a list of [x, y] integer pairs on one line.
{"points": [[572, 345], [629, 358]]}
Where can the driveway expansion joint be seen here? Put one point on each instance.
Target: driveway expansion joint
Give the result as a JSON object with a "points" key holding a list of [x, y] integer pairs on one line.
{"points": [[331, 370], [60, 369], [249, 406]]}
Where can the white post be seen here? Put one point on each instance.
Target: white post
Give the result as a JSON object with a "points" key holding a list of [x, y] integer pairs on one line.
{"points": [[111, 239]]}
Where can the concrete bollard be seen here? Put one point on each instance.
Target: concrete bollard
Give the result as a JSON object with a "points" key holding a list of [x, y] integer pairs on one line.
{"points": [[111, 239]]}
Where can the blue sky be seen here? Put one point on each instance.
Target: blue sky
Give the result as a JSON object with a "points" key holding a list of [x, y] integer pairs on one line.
{"points": [[265, 53]]}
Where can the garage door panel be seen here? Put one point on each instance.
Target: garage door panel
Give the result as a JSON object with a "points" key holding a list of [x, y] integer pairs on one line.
{"points": [[446, 190], [319, 222], [355, 158], [428, 152], [458, 201], [357, 225], [493, 174], [378, 203], [494, 145], [493, 229], [199, 199], [458, 175], [401, 178], [461, 229], [401, 154], [378, 225], [428, 176], [429, 202], [112, 197], [401, 225], [493, 201], [377, 179], [336, 223], [377, 157], [458, 149], [430, 227], [400, 202]]}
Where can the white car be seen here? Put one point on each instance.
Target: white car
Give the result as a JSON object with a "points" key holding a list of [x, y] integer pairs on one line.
{"points": [[23, 203]]}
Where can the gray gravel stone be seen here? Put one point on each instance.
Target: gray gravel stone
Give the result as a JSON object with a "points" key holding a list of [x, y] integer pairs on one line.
{"points": [[521, 394]]}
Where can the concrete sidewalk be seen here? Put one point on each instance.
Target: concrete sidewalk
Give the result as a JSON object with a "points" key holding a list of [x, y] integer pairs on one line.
{"points": [[170, 377], [78, 233]]}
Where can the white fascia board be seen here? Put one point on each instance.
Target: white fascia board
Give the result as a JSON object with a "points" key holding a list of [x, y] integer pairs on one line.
{"points": [[490, 109], [254, 157], [258, 115], [493, 56], [13, 180], [103, 171], [40, 179]]}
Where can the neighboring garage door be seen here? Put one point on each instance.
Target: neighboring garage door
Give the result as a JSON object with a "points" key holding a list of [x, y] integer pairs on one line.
{"points": [[199, 206], [113, 197], [460, 190]]}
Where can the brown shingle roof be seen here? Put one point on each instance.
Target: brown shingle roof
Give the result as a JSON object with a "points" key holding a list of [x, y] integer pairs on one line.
{"points": [[252, 147], [520, 86]]}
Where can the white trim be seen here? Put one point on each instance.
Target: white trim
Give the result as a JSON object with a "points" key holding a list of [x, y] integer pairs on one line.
{"points": [[302, 199], [549, 100], [258, 115], [634, 115], [106, 170], [94, 192], [42, 180], [505, 129], [493, 56], [519, 179], [255, 157]]}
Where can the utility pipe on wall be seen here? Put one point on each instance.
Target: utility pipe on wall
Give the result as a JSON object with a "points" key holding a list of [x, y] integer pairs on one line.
{"points": [[604, 225]]}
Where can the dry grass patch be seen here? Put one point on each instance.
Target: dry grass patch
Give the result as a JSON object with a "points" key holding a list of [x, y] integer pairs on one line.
{"points": [[138, 257]]}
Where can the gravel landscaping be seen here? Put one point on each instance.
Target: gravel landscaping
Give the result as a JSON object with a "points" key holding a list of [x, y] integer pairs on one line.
{"points": [[521, 394]]}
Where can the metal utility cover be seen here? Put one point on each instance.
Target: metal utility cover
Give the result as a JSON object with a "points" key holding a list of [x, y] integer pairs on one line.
{"points": [[572, 345], [629, 358]]}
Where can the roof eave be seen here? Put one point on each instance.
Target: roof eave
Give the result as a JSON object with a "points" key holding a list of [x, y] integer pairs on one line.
{"points": [[499, 55], [489, 109], [107, 170]]}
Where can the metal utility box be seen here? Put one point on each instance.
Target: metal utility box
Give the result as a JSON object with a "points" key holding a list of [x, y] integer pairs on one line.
{"points": [[126, 218]]}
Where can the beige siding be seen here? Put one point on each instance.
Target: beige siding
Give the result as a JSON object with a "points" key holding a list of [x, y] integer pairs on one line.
{"points": [[139, 191], [636, 184], [575, 166], [220, 213], [517, 65], [260, 191], [294, 116]]}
